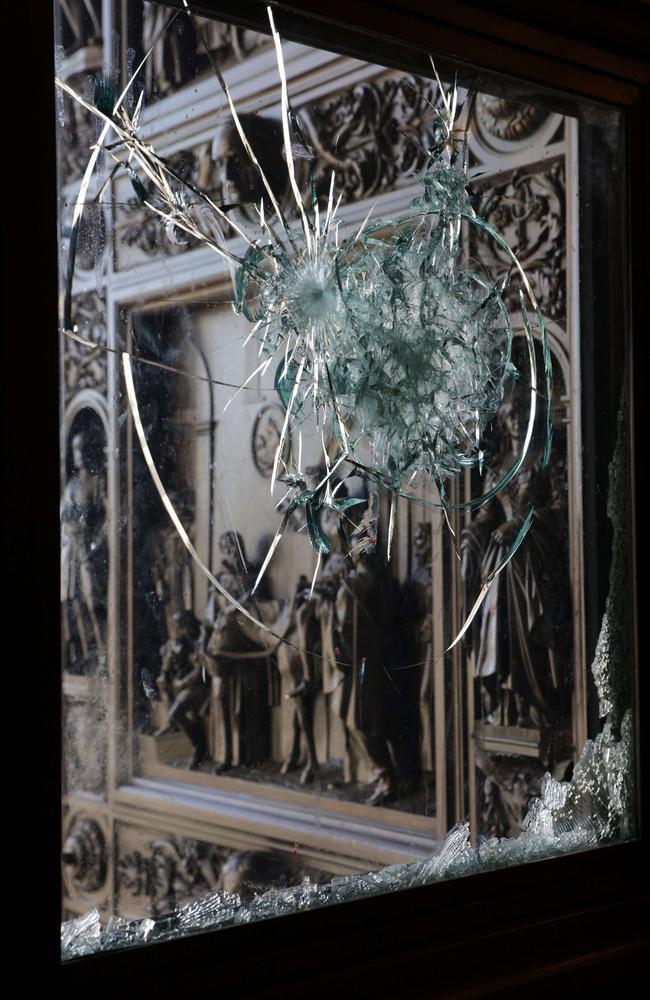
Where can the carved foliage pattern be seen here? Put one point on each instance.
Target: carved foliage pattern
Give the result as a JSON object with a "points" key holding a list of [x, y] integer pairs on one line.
{"points": [[171, 871], [85, 855], [529, 209], [373, 135]]}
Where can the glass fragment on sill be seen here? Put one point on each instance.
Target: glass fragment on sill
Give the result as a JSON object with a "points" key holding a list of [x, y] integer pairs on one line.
{"points": [[568, 816]]}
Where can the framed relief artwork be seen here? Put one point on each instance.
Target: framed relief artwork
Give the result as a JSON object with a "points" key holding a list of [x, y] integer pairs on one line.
{"points": [[346, 318]]}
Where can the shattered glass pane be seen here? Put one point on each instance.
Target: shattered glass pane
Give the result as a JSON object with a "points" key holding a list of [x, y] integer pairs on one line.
{"points": [[338, 616]]}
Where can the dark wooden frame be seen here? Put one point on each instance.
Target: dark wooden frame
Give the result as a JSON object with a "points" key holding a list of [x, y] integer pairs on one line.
{"points": [[569, 922]]}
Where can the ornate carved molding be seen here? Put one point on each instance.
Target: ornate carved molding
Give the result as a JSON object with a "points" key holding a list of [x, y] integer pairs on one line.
{"points": [[171, 871], [372, 136], [222, 171], [139, 227], [509, 120], [528, 208], [85, 856]]}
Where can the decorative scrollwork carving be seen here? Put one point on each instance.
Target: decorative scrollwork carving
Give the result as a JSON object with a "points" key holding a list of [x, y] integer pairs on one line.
{"points": [[84, 855], [373, 135], [506, 119], [529, 209], [171, 871], [138, 225], [223, 172]]}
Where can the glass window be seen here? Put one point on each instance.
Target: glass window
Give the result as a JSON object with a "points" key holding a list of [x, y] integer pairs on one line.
{"points": [[344, 518]]}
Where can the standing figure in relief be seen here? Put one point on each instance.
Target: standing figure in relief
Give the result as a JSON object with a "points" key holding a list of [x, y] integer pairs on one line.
{"points": [[518, 640], [83, 557], [352, 614], [183, 684], [171, 566], [418, 620], [240, 678]]}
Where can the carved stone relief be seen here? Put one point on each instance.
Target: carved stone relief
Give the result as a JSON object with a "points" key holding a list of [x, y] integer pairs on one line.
{"points": [[354, 615], [528, 208], [507, 786], [507, 120], [519, 642], [371, 136], [168, 871], [164, 872], [84, 856], [85, 368], [84, 546], [224, 683]]}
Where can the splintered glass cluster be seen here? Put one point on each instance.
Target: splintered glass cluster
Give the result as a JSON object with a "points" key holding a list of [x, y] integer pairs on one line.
{"points": [[389, 338], [422, 362]]}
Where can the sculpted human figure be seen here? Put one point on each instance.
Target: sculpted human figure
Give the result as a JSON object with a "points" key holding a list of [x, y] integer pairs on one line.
{"points": [[300, 672], [518, 640], [418, 621], [239, 671], [184, 684], [354, 672], [171, 567], [83, 558]]}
